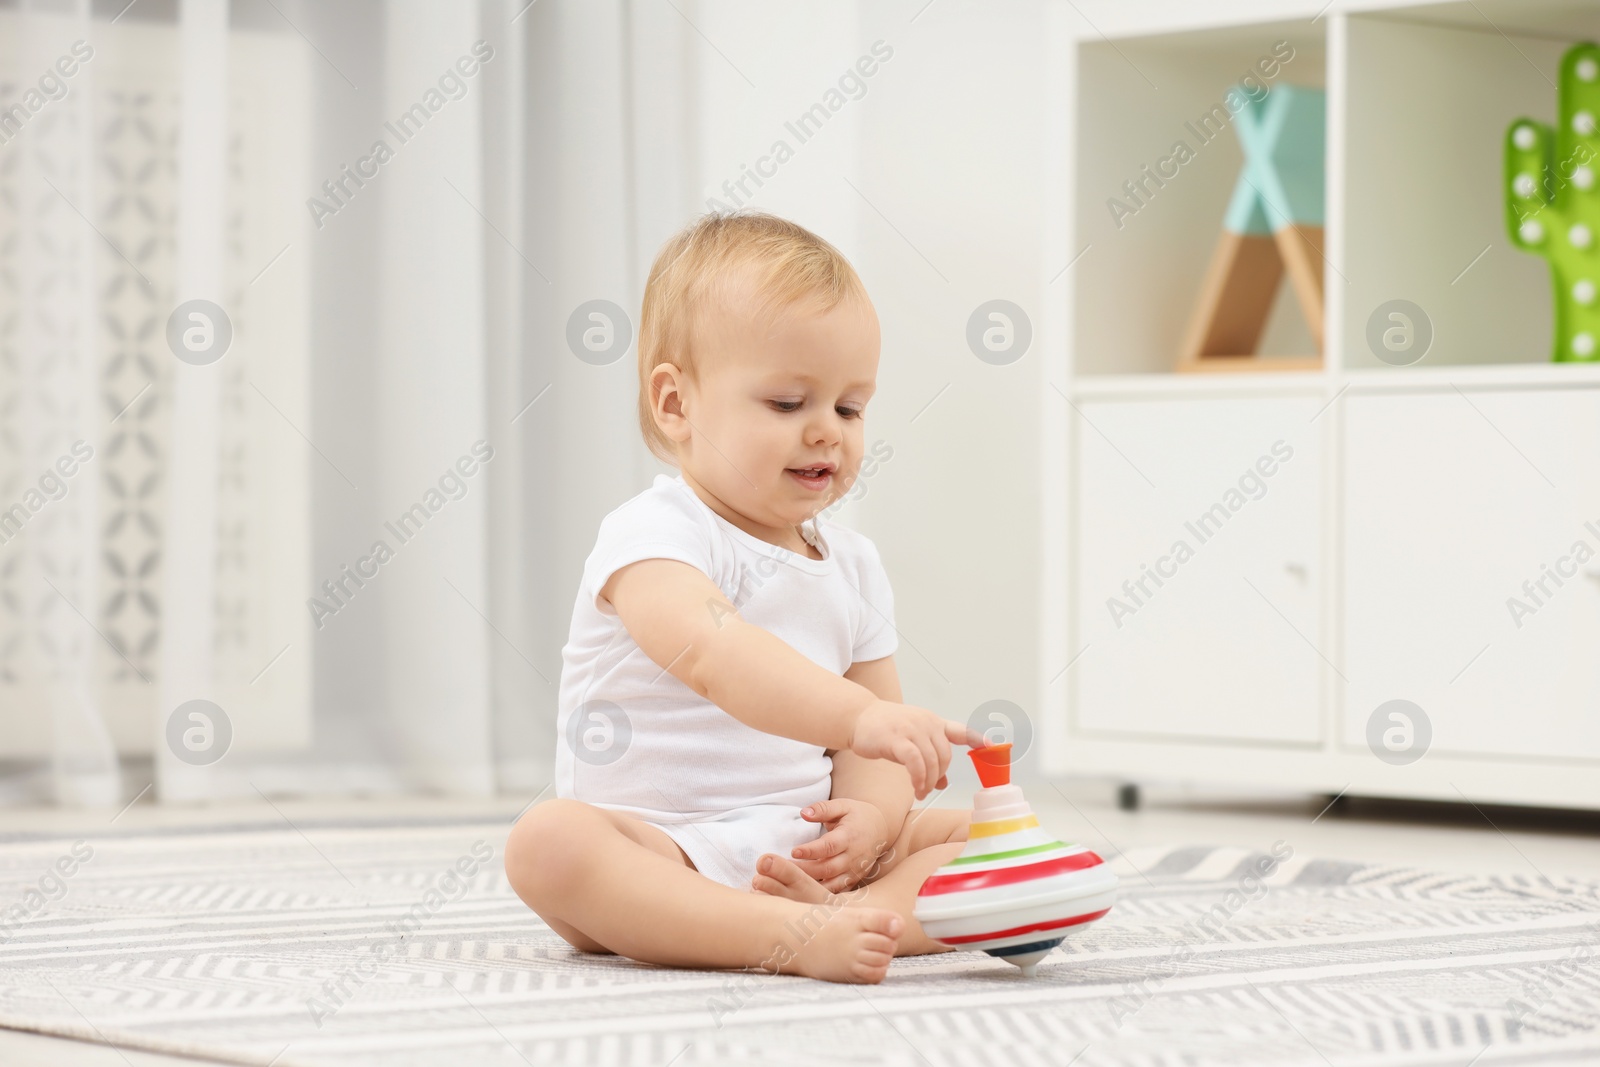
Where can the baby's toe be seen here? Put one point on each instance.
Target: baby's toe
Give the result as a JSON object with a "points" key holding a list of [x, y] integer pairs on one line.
{"points": [[771, 886], [883, 921], [781, 876]]}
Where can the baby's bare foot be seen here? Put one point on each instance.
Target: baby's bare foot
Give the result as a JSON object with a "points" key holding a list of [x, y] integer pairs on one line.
{"points": [[837, 944], [780, 876]]}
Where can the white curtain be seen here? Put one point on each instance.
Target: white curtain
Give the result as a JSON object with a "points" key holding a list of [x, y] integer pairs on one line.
{"points": [[50, 388], [337, 558], [397, 314]]}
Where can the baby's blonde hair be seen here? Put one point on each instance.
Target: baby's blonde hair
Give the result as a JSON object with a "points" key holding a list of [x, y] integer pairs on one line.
{"points": [[697, 268]]}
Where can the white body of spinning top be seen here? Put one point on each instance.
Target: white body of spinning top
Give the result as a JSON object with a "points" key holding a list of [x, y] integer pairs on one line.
{"points": [[1015, 892]]}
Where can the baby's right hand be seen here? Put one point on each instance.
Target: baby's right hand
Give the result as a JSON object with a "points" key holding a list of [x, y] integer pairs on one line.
{"points": [[914, 737]]}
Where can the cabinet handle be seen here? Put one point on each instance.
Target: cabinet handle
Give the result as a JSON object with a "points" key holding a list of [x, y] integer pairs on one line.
{"points": [[1299, 570]]}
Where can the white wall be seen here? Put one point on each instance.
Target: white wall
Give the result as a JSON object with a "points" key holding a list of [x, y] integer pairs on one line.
{"points": [[954, 156]]}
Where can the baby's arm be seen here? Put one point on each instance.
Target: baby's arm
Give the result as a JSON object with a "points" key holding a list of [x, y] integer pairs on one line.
{"points": [[682, 621], [867, 807], [881, 783]]}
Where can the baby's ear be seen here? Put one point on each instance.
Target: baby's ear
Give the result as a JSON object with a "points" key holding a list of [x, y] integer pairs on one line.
{"points": [[666, 402]]}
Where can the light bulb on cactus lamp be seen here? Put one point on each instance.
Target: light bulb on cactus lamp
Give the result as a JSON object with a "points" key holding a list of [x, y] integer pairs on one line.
{"points": [[1015, 892]]}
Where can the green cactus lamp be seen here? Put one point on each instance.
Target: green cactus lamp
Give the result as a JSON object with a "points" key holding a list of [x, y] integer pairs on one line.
{"points": [[1552, 206]]}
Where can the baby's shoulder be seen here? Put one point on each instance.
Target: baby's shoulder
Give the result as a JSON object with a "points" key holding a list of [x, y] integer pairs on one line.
{"points": [[665, 496], [851, 546], [665, 512]]}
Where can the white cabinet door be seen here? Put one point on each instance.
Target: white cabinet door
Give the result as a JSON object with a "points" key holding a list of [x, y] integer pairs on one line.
{"points": [[1196, 586], [1453, 500]]}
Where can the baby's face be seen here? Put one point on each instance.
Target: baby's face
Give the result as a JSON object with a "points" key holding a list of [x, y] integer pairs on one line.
{"points": [[774, 401]]}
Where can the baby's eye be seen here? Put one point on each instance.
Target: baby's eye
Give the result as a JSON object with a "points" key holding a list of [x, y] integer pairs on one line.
{"points": [[792, 405]]}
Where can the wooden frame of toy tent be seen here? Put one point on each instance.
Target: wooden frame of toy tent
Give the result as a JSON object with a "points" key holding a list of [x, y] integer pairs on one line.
{"points": [[1273, 223]]}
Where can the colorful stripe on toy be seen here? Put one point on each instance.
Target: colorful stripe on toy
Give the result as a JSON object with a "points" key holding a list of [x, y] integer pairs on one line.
{"points": [[963, 881], [1018, 931], [986, 848], [1008, 853], [996, 827]]}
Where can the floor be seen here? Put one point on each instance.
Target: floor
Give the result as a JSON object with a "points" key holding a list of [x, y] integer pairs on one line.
{"points": [[1458, 838]]}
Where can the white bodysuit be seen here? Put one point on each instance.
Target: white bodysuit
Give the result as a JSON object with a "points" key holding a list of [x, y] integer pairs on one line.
{"points": [[633, 738]]}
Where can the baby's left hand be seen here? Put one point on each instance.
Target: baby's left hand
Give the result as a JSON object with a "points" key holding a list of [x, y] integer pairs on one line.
{"points": [[856, 835]]}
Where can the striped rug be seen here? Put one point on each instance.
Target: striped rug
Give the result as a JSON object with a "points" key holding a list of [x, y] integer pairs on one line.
{"points": [[358, 944]]}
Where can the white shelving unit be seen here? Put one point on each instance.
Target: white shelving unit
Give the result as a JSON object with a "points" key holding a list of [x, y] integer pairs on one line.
{"points": [[1405, 505]]}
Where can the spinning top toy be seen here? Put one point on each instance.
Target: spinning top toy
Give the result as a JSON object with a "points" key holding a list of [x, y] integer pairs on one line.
{"points": [[1015, 892]]}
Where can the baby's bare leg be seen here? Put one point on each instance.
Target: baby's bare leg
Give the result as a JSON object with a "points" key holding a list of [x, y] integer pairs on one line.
{"points": [[609, 879], [933, 838]]}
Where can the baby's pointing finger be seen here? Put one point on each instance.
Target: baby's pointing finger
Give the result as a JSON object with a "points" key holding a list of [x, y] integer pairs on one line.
{"points": [[963, 734]]}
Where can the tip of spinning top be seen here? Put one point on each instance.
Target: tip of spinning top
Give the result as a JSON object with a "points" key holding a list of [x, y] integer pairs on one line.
{"points": [[993, 763]]}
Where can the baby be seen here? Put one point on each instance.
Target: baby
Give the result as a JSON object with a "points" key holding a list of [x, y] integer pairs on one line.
{"points": [[728, 690]]}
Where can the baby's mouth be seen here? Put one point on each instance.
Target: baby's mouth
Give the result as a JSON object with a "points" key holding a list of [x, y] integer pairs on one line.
{"points": [[814, 478]]}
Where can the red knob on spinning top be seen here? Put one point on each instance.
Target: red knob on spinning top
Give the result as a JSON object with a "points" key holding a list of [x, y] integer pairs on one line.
{"points": [[993, 763]]}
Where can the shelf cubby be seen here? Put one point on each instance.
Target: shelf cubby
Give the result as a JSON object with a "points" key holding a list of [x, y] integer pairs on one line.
{"points": [[1420, 97], [1426, 108], [1137, 285]]}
